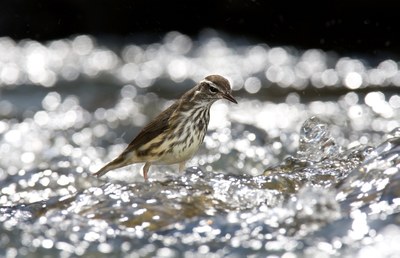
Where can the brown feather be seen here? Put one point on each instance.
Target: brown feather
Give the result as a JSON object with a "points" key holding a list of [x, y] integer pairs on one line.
{"points": [[157, 126], [116, 163]]}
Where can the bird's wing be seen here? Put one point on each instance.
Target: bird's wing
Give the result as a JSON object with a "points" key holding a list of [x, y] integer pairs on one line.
{"points": [[156, 127]]}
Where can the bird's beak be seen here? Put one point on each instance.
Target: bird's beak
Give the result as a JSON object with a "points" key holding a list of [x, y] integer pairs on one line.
{"points": [[229, 97]]}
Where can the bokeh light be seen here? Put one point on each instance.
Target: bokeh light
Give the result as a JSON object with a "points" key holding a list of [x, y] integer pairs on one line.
{"points": [[181, 58], [305, 165]]}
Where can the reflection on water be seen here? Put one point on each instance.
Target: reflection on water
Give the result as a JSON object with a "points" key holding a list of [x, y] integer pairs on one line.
{"points": [[305, 176], [179, 57]]}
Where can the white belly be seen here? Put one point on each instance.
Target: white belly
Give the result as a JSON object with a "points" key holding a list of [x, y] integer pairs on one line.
{"points": [[191, 137]]}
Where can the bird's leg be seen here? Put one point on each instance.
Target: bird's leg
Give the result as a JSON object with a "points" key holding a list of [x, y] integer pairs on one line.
{"points": [[145, 170], [182, 166]]}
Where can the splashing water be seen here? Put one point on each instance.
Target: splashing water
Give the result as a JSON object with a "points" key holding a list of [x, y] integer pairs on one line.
{"points": [[316, 143], [283, 177]]}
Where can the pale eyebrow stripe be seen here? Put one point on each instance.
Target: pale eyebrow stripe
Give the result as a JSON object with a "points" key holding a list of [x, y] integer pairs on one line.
{"points": [[210, 82]]}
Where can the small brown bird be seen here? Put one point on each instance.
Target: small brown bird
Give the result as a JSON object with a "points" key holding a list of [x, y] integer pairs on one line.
{"points": [[176, 134]]}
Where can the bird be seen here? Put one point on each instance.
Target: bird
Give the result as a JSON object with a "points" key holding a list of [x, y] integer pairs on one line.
{"points": [[175, 135]]}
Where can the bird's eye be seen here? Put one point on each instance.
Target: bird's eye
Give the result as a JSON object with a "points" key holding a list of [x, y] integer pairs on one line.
{"points": [[213, 89]]}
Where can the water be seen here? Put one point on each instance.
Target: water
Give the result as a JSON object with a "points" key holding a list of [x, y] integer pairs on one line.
{"points": [[306, 165]]}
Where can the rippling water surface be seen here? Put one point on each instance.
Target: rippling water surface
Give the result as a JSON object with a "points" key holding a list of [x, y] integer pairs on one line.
{"points": [[306, 165]]}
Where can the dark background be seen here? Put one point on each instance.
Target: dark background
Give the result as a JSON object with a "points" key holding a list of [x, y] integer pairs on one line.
{"points": [[370, 27]]}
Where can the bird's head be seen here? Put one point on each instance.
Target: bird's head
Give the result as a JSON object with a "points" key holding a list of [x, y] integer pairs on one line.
{"points": [[212, 88]]}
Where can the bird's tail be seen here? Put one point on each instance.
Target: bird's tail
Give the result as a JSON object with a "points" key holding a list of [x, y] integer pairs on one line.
{"points": [[116, 163]]}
